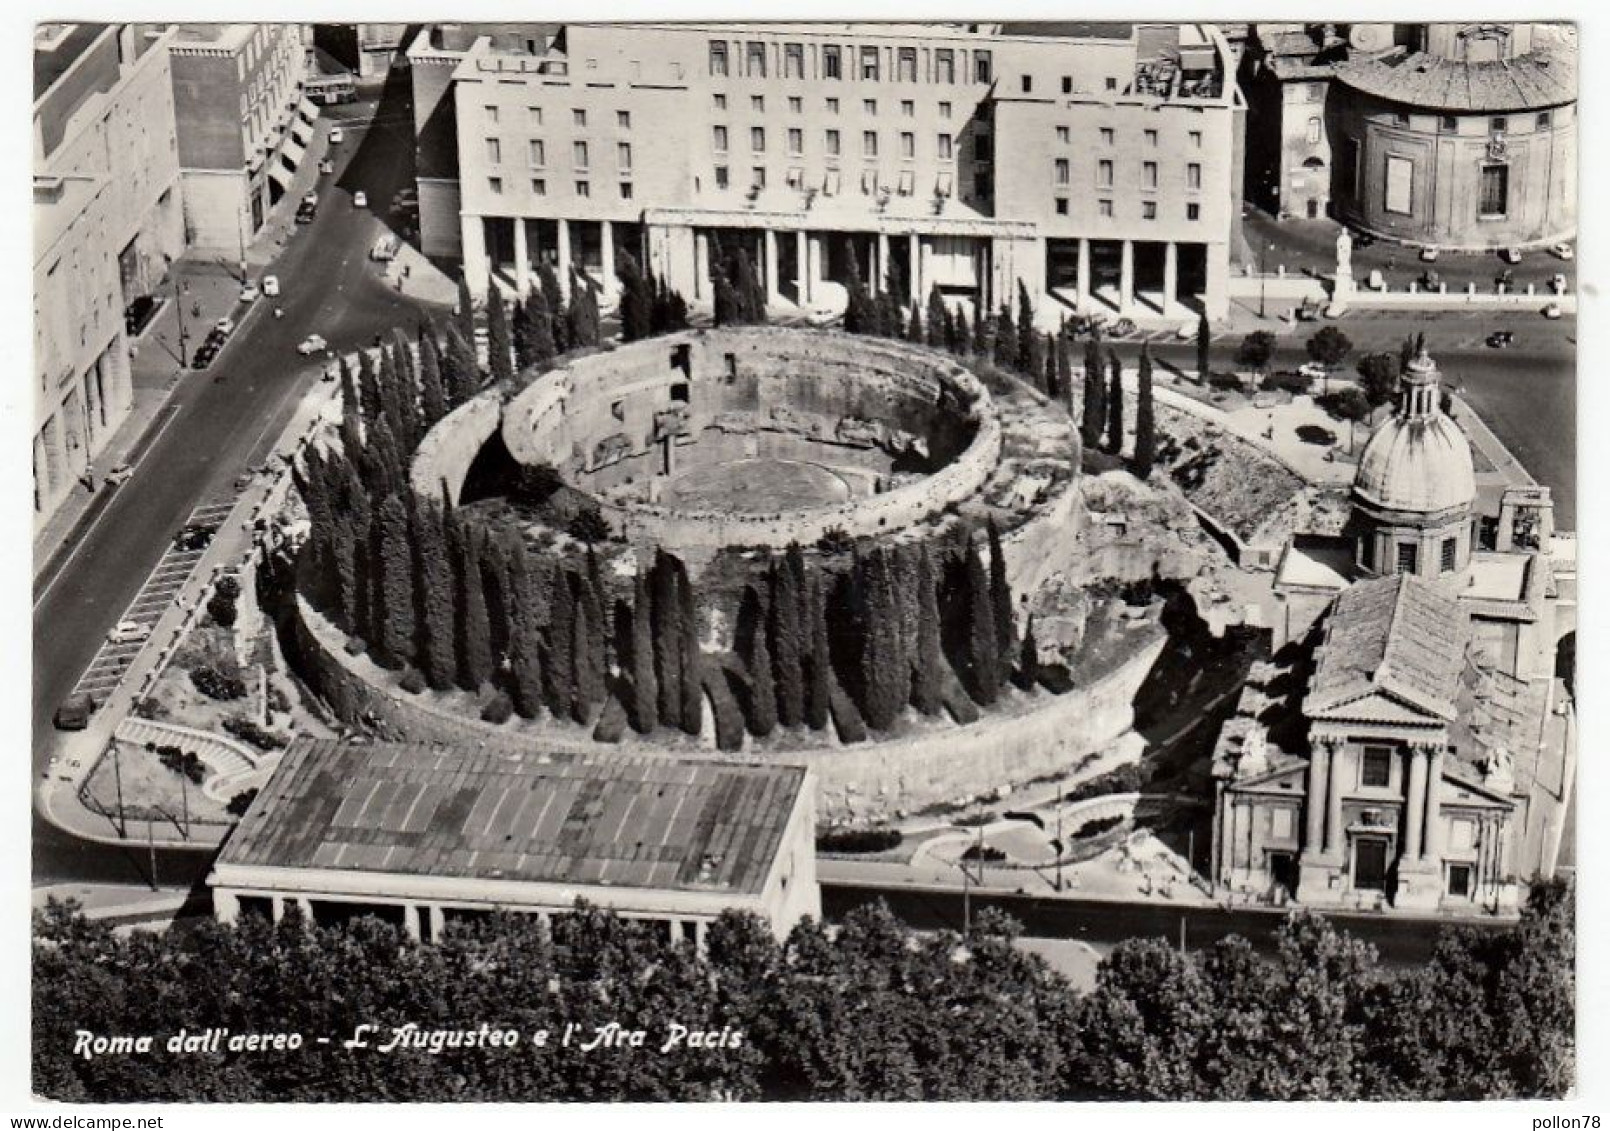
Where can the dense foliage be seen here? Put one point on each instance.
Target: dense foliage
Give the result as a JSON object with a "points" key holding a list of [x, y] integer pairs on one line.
{"points": [[866, 1010]]}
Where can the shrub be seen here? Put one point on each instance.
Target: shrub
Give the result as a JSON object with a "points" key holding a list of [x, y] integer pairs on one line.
{"points": [[228, 586], [847, 719], [534, 483], [412, 681], [241, 802], [611, 725], [974, 819], [355, 646], [222, 610], [277, 699], [1093, 461], [858, 840], [250, 732], [498, 710], [1226, 382], [1293, 382], [1056, 678], [589, 526], [835, 540], [1314, 434], [1097, 826], [729, 716], [986, 852], [1125, 779], [215, 685]]}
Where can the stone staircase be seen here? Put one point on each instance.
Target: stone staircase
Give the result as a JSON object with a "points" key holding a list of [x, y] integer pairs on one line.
{"points": [[226, 757]]}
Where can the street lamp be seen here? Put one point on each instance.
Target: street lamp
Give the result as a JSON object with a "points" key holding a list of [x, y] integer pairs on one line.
{"points": [[1263, 277]]}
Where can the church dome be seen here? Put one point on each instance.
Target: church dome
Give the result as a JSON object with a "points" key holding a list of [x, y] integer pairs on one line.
{"points": [[1418, 461]]}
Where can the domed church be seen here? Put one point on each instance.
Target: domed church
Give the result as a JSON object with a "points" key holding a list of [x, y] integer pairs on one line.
{"points": [[1410, 745]]}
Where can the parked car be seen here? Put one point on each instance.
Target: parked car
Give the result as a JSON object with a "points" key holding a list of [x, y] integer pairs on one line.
{"points": [[326, 167], [1553, 311], [196, 536], [360, 199], [311, 345], [1429, 253], [385, 248], [120, 473], [271, 286], [1559, 283], [224, 327], [336, 136], [205, 352], [1510, 255], [306, 213], [1501, 339], [128, 632], [75, 711], [139, 312], [249, 292], [1505, 279], [1309, 311], [1430, 279], [1563, 251]]}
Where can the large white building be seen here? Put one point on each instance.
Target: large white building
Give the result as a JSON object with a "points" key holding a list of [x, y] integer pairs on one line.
{"points": [[1099, 163], [107, 223]]}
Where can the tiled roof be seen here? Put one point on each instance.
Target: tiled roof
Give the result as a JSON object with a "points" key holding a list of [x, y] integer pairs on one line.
{"points": [[1533, 81], [584, 819], [1400, 635]]}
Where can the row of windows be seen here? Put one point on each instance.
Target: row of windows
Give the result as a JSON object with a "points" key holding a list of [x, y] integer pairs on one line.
{"points": [[1062, 173], [832, 141], [834, 62], [578, 116], [873, 181], [537, 153], [1148, 209], [539, 187], [1449, 123], [796, 105]]}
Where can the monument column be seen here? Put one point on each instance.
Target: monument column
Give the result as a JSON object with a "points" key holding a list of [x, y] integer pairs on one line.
{"points": [[1431, 842], [1335, 838], [1318, 767], [1415, 809], [770, 255], [701, 264]]}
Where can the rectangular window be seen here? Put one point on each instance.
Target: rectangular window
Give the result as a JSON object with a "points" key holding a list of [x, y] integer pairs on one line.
{"points": [[906, 64], [908, 146], [1148, 210], [1193, 176], [1399, 185], [1106, 135], [796, 142], [755, 60], [1063, 170], [1316, 91], [721, 177], [1028, 84], [869, 64], [1104, 207], [832, 105], [720, 138], [1148, 174], [534, 115], [757, 176], [982, 68], [757, 103], [1193, 211], [1196, 139], [908, 109], [1459, 880], [944, 110], [1067, 84], [1104, 174], [721, 102], [579, 154], [1494, 190], [1314, 128], [947, 147], [1543, 120], [793, 60], [623, 119], [869, 107], [1450, 124], [1499, 125], [832, 143], [796, 104], [494, 151], [757, 139], [1062, 206], [492, 114], [908, 182], [944, 65], [1112, 83], [1062, 135], [539, 186], [539, 153], [578, 117], [626, 190], [495, 184], [1151, 139], [832, 63], [1450, 554], [623, 154], [830, 182], [1408, 557], [1375, 766], [583, 188], [869, 144]]}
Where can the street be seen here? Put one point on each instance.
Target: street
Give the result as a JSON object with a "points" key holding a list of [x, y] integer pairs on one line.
{"points": [[221, 418]]}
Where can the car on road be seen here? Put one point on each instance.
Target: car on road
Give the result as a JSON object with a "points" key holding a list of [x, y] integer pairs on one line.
{"points": [[1429, 253], [360, 199], [1510, 255], [1312, 370], [310, 199], [128, 632], [74, 712], [1559, 283], [196, 536], [249, 292], [326, 167], [1501, 339], [336, 136], [306, 213], [205, 352], [120, 473], [1553, 311], [385, 248], [1563, 251], [271, 286], [311, 345], [224, 327]]}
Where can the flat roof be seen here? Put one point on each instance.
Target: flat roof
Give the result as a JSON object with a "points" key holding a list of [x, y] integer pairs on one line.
{"points": [[53, 64], [1496, 577], [230, 37], [615, 820]]}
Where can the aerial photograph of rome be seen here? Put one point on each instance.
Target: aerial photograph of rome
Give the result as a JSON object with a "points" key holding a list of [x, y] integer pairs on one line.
{"points": [[714, 562]]}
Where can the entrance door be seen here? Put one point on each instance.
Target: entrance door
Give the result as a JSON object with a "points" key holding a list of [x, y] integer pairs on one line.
{"points": [[1283, 871], [1369, 863]]}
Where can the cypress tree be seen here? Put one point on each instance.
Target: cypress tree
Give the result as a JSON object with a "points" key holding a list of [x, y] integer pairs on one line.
{"points": [[983, 642], [1145, 417], [460, 373], [1028, 339], [1093, 418], [410, 416], [982, 332], [583, 315], [383, 464], [552, 297], [940, 329], [725, 301], [692, 666], [667, 609], [762, 687], [474, 644], [1115, 404], [499, 338], [1204, 339], [1005, 338], [1000, 597], [464, 313], [395, 608], [914, 326], [522, 328], [432, 392], [890, 323], [637, 299], [525, 636], [351, 413], [588, 644], [961, 336], [1064, 371], [368, 389], [645, 689], [787, 648], [559, 653], [818, 708], [543, 348], [885, 681], [347, 546], [927, 691], [1048, 367], [857, 310], [1028, 664], [433, 592], [360, 517]]}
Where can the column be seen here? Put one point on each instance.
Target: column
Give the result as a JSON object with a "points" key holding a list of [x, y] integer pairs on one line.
{"points": [[1171, 276], [1216, 298], [522, 258], [1232, 852], [698, 935], [438, 922], [914, 258], [676, 930], [411, 920], [770, 255], [225, 906], [803, 280], [1431, 843], [473, 235], [701, 265], [880, 265], [564, 257], [606, 236], [1335, 838], [813, 247], [277, 907], [1318, 768], [1126, 278], [1414, 818], [1084, 275]]}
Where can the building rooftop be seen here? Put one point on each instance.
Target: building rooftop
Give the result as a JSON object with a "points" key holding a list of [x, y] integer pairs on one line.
{"points": [[1068, 29], [227, 37], [56, 48], [58, 203], [1316, 562], [1400, 634], [585, 819], [1534, 81], [1497, 577]]}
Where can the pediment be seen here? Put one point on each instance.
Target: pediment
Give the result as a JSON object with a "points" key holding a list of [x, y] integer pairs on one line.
{"points": [[1378, 706]]}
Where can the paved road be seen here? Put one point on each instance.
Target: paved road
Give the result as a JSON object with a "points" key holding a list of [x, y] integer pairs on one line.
{"points": [[224, 416], [1399, 941]]}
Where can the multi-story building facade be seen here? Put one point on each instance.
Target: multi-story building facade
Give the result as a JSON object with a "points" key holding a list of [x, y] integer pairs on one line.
{"points": [[243, 125], [1101, 166], [107, 223]]}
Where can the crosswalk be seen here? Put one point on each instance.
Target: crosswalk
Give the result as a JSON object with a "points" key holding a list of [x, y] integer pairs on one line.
{"points": [[161, 586]]}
